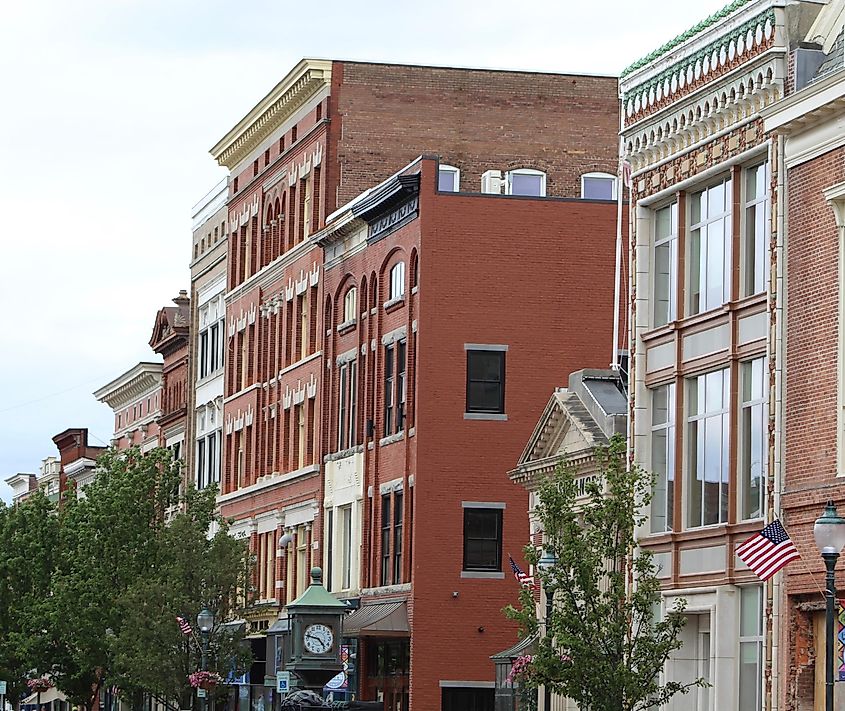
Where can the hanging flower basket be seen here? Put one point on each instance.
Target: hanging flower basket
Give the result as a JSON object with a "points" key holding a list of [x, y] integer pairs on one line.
{"points": [[37, 686], [205, 680]]}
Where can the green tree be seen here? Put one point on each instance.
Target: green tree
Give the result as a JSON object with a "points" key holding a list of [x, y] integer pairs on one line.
{"points": [[29, 533], [108, 542], [605, 645], [191, 571]]}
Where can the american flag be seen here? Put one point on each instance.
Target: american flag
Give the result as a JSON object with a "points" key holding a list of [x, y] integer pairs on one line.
{"points": [[184, 625], [768, 551], [527, 581]]}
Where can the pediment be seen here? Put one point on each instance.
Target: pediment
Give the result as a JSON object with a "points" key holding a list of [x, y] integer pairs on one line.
{"points": [[565, 430]]}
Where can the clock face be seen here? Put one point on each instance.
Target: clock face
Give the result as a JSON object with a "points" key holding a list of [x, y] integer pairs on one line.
{"points": [[318, 639]]}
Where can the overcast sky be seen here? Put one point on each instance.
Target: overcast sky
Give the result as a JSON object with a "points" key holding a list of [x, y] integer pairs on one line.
{"points": [[109, 109]]}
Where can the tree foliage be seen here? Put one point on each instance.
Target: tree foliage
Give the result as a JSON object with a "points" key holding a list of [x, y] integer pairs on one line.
{"points": [[605, 644], [27, 560], [90, 590]]}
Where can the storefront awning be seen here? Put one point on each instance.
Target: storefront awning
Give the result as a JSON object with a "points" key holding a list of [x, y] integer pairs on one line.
{"points": [[377, 618], [47, 697]]}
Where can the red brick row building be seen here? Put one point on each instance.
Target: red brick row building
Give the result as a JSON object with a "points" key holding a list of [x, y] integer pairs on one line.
{"points": [[392, 324]]}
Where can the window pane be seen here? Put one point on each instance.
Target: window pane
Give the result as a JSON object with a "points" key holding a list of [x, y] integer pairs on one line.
{"points": [[598, 188], [481, 523], [485, 381], [485, 365], [751, 611], [749, 675], [530, 185], [482, 539], [446, 180]]}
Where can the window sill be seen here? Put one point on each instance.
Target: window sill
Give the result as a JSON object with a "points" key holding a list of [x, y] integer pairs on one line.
{"points": [[346, 326], [482, 575], [500, 416], [209, 377], [394, 304], [391, 439]]}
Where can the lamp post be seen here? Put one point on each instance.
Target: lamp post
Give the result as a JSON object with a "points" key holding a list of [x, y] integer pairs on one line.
{"points": [[829, 532], [205, 623], [546, 563]]}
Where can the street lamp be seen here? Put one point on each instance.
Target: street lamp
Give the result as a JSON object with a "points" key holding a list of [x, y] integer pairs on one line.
{"points": [[829, 533], [205, 623], [546, 563]]}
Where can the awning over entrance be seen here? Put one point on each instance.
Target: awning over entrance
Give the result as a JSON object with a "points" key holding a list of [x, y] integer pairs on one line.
{"points": [[377, 618], [47, 697]]}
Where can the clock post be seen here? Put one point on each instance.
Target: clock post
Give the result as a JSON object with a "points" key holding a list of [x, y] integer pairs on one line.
{"points": [[315, 628]]}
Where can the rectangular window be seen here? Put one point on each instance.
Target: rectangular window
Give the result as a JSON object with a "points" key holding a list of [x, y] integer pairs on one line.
{"points": [[401, 358], [753, 456], [353, 404], [329, 548], [448, 179], [482, 539], [485, 381], [202, 473], [345, 515], [389, 402], [215, 344], [213, 447], [203, 355], [343, 406], [710, 247], [467, 699], [708, 426], [397, 281], [755, 241], [397, 537], [666, 265], [751, 648], [385, 539], [663, 457]]}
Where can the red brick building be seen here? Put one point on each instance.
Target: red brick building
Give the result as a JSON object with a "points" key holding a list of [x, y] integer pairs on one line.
{"points": [[807, 134], [418, 431], [327, 133]]}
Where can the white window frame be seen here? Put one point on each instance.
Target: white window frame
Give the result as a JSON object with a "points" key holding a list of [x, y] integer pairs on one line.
{"points": [[748, 639], [207, 469], [749, 407], [604, 176], [725, 216], [669, 242], [350, 304], [397, 281], [669, 432], [209, 353], [754, 251], [692, 455], [456, 172], [525, 171]]}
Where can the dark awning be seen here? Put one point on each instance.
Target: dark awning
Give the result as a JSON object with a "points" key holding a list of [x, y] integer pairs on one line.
{"points": [[377, 618]]}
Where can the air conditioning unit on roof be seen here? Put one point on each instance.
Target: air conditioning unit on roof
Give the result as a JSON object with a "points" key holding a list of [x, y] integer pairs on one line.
{"points": [[491, 182]]}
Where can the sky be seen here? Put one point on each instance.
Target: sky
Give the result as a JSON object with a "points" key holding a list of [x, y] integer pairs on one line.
{"points": [[109, 108]]}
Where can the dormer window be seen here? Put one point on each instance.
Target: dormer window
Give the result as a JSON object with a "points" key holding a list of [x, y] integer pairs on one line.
{"points": [[448, 179], [525, 181], [598, 186]]}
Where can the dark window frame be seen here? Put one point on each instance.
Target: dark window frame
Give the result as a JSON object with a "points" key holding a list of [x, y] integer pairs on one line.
{"points": [[475, 565], [470, 380]]}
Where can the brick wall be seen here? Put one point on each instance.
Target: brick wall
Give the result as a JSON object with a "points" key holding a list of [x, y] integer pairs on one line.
{"points": [[476, 120]]}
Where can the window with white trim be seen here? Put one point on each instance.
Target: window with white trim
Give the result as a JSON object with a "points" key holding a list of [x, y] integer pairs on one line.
{"points": [[755, 240], [347, 411], [708, 429], [525, 181], [663, 457], [350, 304], [753, 454], [750, 647], [397, 281], [598, 186], [710, 247], [666, 265], [210, 349], [448, 179], [208, 459]]}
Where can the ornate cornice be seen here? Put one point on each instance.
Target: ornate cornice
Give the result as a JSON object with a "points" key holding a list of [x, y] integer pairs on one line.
{"points": [[289, 95], [144, 378]]}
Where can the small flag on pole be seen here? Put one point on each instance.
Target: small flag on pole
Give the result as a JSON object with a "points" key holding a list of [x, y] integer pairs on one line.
{"points": [[527, 581], [768, 551], [184, 625]]}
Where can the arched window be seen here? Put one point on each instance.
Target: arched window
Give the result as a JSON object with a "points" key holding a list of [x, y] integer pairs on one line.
{"points": [[526, 181], [350, 303], [397, 281], [598, 186]]}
